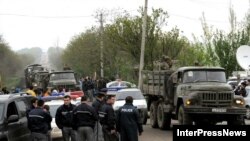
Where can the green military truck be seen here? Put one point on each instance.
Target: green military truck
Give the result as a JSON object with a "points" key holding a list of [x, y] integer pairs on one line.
{"points": [[65, 79], [191, 95]]}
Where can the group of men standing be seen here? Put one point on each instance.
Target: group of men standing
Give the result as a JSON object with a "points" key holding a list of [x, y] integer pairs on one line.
{"points": [[84, 122]]}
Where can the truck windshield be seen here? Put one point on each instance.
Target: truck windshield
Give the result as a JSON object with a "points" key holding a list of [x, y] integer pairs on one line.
{"points": [[58, 76], [204, 76]]}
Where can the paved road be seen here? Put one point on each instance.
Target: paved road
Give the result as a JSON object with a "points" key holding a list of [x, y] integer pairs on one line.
{"points": [[151, 134]]}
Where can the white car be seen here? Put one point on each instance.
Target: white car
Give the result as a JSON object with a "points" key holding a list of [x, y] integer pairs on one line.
{"points": [[121, 84], [54, 105], [139, 101], [247, 101]]}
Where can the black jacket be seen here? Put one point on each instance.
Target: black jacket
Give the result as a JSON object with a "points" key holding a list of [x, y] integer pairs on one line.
{"points": [[97, 104], [84, 115], [128, 117], [64, 116], [39, 120], [107, 116]]}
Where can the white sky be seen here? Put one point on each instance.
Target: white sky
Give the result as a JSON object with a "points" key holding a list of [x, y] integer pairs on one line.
{"points": [[46, 23]]}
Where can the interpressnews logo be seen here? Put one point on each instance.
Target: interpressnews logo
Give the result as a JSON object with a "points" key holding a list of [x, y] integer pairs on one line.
{"points": [[201, 132]]}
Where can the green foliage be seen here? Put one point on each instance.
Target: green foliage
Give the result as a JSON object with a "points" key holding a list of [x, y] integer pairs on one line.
{"points": [[122, 44], [34, 53], [221, 47], [11, 65]]}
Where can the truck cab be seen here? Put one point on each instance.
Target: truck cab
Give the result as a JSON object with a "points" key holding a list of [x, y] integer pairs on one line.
{"points": [[192, 95]]}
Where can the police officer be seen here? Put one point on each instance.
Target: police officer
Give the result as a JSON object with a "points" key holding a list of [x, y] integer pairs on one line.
{"points": [[128, 121], [64, 115], [84, 117], [107, 119], [97, 104], [38, 121]]}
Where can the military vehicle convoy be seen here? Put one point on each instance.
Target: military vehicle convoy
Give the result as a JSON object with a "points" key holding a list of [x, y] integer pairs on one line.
{"points": [[35, 76], [39, 77], [191, 95]]}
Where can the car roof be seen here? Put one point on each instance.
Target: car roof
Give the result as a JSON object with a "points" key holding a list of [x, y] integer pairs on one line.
{"points": [[8, 97], [54, 102], [129, 90]]}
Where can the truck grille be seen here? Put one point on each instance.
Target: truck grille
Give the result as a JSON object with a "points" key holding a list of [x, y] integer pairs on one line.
{"points": [[213, 99]]}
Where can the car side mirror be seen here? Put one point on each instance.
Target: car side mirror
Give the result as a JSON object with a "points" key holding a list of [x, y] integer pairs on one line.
{"points": [[13, 118]]}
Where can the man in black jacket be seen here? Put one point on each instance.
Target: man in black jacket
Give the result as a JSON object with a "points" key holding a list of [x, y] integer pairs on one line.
{"points": [[84, 117], [107, 119], [128, 121], [38, 121], [64, 115]]}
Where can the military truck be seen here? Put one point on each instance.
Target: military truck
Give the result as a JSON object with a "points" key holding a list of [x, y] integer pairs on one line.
{"points": [[191, 95], [35, 76], [64, 79]]}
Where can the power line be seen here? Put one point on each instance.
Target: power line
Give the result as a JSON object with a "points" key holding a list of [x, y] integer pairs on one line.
{"points": [[45, 17]]}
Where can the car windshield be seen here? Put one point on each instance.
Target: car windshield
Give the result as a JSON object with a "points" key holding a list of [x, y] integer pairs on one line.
{"points": [[1, 111], [53, 109], [58, 76], [204, 76], [135, 94]]}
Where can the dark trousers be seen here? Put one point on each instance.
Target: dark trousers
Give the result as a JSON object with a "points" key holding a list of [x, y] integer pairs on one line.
{"points": [[85, 133], [38, 137], [129, 134], [68, 133], [108, 136]]}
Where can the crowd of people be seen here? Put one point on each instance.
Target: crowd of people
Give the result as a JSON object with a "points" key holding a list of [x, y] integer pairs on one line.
{"points": [[86, 122]]}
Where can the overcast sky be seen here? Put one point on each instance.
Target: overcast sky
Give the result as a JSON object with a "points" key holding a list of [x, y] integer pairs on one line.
{"points": [[46, 23]]}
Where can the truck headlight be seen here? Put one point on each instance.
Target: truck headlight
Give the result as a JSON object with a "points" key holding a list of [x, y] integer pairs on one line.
{"points": [[239, 101], [188, 102]]}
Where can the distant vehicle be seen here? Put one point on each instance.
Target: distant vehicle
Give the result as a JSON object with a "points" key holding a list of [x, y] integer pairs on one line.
{"points": [[121, 84], [13, 117], [139, 101], [35, 75], [63, 79], [54, 105]]}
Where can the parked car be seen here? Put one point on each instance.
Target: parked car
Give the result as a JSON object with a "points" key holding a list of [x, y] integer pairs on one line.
{"points": [[247, 101], [139, 101], [13, 117]]}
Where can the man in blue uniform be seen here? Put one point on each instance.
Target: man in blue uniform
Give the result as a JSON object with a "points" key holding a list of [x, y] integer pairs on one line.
{"points": [[38, 122], [64, 115], [84, 117], [128, 121], [107, 119]]}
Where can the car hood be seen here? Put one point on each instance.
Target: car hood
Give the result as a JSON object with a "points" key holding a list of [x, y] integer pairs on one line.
{"points": [[140, 104]]}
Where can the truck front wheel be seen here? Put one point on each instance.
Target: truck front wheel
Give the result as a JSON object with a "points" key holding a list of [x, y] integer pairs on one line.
{"points": [[153, 114], [164, 119], [183, 118], [238, 120]]}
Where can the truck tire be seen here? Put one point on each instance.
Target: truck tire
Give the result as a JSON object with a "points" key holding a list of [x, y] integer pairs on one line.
{"points": [[183, 118], [164, 119], [153, 114], [238, 120]]}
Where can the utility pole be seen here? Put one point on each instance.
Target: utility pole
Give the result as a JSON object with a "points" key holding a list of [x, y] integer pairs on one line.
{"points": [[144, 27], [101, 44]]}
